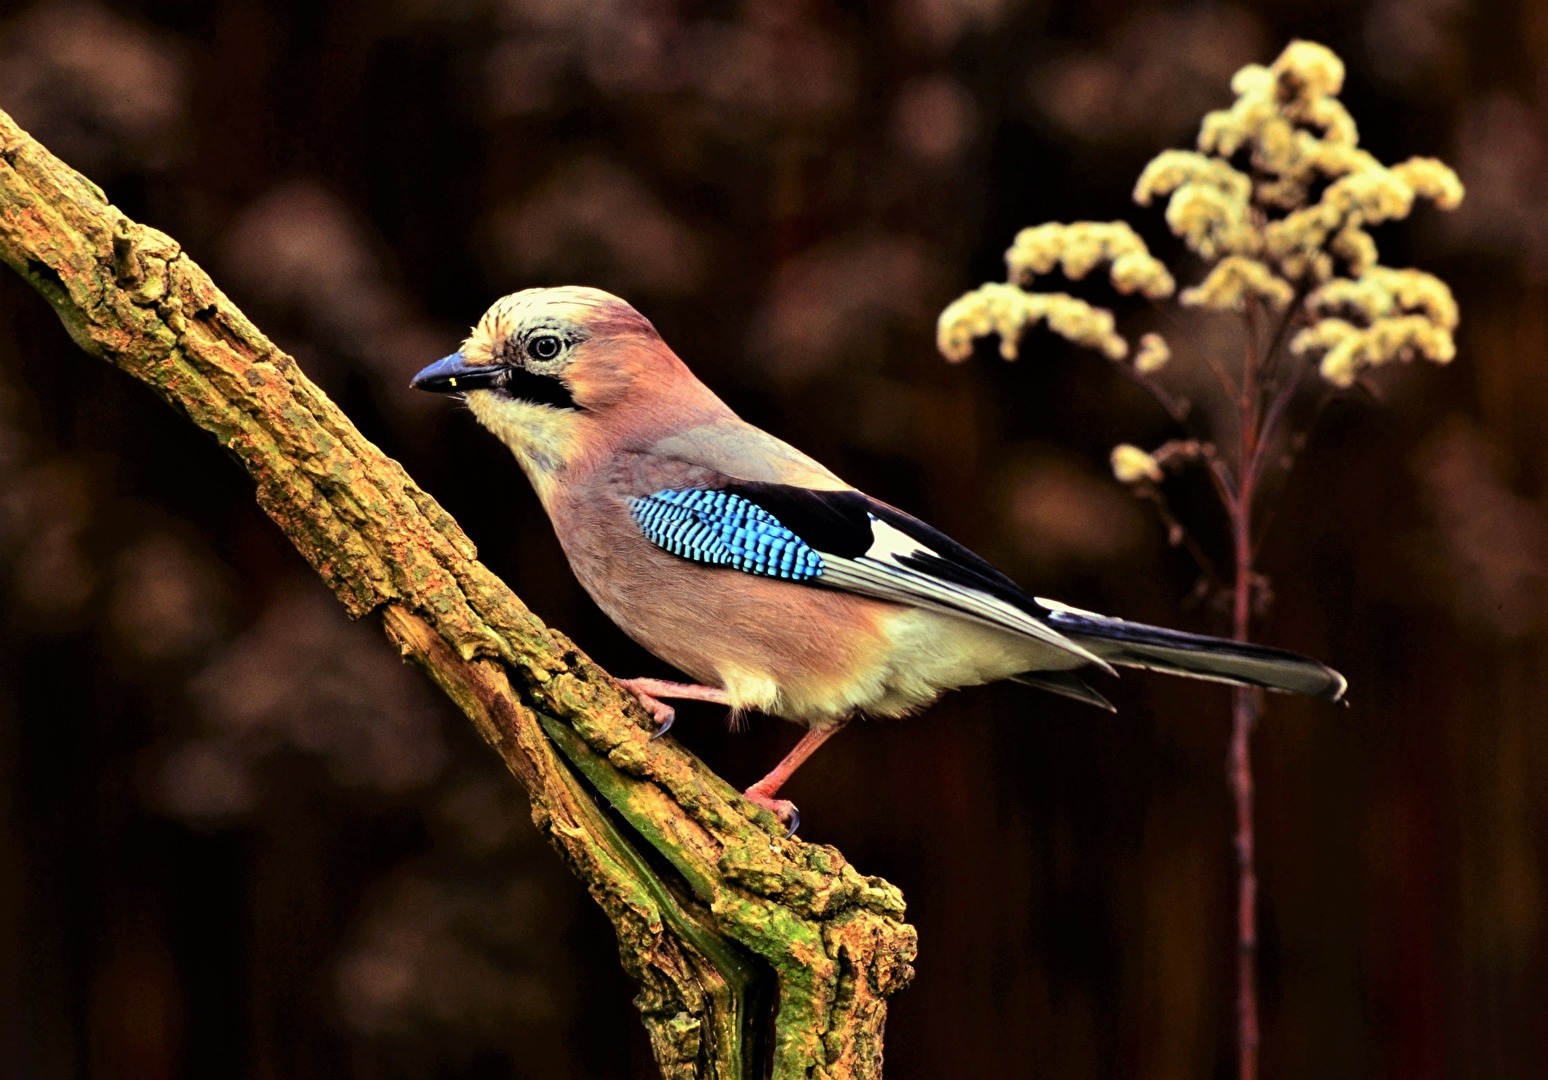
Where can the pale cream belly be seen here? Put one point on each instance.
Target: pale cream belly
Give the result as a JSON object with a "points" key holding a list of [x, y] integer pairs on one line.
{"points": [[932, 653]]}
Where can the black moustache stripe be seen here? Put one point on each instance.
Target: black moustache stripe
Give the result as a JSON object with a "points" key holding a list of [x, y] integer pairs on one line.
{"points": [[539, 389]]}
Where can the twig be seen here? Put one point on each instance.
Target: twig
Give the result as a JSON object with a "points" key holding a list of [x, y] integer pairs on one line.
{"points": [[755, 907], [1178, 535], [1177, 408]]}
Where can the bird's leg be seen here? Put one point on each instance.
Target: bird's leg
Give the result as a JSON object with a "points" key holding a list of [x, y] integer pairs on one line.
{"points": [[651, 691], [762, 793]]}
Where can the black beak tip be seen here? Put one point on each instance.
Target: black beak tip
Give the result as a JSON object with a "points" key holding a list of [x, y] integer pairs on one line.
{"points": [[425, 380]]}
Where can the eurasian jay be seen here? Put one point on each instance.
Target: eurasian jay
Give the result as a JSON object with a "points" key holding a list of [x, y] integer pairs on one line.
{"points": [[739, 560]]}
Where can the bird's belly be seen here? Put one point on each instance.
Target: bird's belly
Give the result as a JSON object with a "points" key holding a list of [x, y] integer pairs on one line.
{"points": [[804, 653], [931, 653]]}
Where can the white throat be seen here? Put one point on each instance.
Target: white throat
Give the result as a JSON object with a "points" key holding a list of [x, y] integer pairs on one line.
{"points": [[542, 437]]}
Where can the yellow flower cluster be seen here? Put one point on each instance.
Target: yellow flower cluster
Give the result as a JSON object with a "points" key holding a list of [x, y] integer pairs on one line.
{"points": [[1296, 137], [1076, 250], [1152, 354], [1304, 242], [1289, 119], [1431, 179], [1209, 205], [1081, 247], [1131, 465], [1384, 291], [1007, 311], [1242, 202], [1233, 280], [1382, 316]]}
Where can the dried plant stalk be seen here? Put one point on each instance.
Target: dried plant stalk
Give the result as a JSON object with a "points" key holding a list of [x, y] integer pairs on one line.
{"points": [[1276, 201]]}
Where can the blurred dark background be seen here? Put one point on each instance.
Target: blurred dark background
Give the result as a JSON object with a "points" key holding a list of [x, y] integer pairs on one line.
{"points": [[239, 839]]}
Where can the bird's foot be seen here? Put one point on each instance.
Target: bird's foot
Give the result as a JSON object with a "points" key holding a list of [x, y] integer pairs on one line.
{"points": [[783, 809], [651, 691], [662, 713], [762, 793]]}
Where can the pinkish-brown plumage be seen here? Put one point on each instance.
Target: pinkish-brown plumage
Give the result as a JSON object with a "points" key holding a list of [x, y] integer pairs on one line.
{"points": [[600, 413], [646, 423]]}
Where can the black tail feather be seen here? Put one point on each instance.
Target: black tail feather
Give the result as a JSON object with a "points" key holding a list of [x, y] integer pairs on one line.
{"points": [[1197, 656], [1064, 684]]}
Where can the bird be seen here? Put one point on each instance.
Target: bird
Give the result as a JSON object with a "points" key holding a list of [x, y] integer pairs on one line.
{"points": [[755, 570]]}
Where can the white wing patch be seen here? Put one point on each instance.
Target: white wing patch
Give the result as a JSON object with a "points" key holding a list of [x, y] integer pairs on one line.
{"points": [[887, 543], [880, 573]]}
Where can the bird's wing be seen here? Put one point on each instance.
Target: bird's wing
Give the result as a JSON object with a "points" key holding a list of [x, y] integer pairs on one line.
{"points": [[841, 539]]}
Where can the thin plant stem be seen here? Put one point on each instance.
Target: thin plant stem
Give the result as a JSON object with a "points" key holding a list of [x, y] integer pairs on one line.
{"points": [[1286, 321], [1271, 421], [1176, 408], [1237, 493], [1178, 536], [1244, 717], [1283, 397], [1262, 397], [1227, 383], [1269, 505]]}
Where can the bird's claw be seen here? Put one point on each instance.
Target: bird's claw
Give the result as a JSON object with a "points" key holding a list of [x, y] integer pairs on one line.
{"points": [[789, 816], [662, 713], [663, 722]]}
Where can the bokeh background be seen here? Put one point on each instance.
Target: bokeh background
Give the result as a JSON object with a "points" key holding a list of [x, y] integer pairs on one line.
{"points": [[238, 839]]}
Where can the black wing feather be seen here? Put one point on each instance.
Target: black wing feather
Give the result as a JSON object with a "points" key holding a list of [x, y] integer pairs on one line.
{"points": [[941, 573], [839, 522]]}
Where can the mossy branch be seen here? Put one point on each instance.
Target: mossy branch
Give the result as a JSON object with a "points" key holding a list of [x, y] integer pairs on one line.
{"points": [[725, 920]]}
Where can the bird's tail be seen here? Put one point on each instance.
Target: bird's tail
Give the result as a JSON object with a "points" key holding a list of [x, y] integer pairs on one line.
{"points": [[1129, 644]]}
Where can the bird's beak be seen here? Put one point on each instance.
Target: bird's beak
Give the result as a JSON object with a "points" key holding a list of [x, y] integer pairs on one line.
{"points": [[453, 374]]}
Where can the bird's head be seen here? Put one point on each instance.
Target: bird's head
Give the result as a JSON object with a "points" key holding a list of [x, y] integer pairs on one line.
{"points": [[557, 374]]}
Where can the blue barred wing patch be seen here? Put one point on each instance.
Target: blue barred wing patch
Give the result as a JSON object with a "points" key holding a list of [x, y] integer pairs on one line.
{"points": [[723, 529]]}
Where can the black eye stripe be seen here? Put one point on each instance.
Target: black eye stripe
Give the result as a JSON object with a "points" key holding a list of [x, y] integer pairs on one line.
{"points": [[538, 389]]}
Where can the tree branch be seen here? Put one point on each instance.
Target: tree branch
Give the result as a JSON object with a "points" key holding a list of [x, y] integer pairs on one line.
{"points": [[726, 918]]}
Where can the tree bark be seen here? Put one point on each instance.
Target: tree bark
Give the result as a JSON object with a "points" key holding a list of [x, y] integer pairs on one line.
{"points": [[726, 923]]}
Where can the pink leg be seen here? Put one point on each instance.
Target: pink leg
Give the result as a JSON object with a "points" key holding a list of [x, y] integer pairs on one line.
{"points": [[651, 691], [762, 793]]}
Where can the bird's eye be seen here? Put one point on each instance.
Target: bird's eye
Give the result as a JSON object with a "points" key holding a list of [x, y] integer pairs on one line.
{"points": [[544, 347]]}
